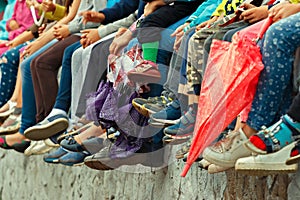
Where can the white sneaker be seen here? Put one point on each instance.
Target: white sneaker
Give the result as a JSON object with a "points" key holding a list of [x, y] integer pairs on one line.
{"points": [[37, 148], [225, 152], [204, 164], [272, 163]]}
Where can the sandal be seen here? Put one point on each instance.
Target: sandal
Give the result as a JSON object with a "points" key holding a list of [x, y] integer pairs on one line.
{"points": [[74, 131], [12, 124], [274, 138], [19, 147]]}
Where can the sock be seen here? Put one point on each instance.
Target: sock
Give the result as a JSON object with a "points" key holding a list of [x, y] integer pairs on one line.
{"points": [[283, 134], [150, 51], [56, 111]]}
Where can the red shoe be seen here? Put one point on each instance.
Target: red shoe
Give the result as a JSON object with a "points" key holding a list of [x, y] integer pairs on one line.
{"points": [[146, 72]]}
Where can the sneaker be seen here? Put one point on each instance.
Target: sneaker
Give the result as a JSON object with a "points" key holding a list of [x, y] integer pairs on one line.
{"points": [[263, 165], [184, 128], [145, 72], [142, 105], [37, 148], [102, 160], [74, 131], [53, 157], [204, 164], [169, 115], [226, 152], [274, 138], [47, 128], [73, 158], [92, 145], [183, 150]]}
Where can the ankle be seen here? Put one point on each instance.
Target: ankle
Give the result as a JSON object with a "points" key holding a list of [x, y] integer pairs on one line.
{"points": [[248, 130]]}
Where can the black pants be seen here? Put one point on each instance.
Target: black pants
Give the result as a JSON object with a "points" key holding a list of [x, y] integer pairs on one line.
{"points": [[150, 27], [294, 111]]}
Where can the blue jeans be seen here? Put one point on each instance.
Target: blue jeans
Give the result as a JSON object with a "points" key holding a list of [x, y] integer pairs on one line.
{"points": [[274, 89], [28, 99], [63, 99], [9, 70]]}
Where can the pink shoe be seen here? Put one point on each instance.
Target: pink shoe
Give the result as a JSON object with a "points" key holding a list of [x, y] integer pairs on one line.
{"points": [[146, 72]]}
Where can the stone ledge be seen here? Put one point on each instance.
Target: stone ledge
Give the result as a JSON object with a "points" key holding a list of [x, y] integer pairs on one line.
{"points": [[30, 178]]}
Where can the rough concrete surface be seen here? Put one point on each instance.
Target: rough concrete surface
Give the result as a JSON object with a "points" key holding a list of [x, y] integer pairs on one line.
{"points": [[30, 178]]}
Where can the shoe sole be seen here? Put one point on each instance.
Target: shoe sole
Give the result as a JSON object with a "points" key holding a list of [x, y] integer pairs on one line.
{"points": [[175, 141], [43, 132], [165, 121], [143, 79], [140, 109], [293, 160], [9, 132], [266, 170], [72, 164], [110, 164]]}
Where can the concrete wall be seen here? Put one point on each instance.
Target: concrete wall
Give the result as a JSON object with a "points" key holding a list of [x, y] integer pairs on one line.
{"points": [[30, 178]]}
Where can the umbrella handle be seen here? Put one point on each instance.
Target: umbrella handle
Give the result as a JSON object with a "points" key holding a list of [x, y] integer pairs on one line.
{"points": [[264, 28]]}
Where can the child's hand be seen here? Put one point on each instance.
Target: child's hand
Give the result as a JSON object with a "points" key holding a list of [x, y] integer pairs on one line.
{"points": [[61, 31], [152, 6], [42, 29], [48, 6], [283, 10], [254, 14], [13, 25], [89, 36], [178, 33], [207, 23], [120, 41], [92, 16]]}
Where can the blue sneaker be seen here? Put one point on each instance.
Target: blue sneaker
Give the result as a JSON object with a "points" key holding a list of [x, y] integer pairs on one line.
{"points": [[184, 128], [169, 115], [53, 156], [73, 158]]}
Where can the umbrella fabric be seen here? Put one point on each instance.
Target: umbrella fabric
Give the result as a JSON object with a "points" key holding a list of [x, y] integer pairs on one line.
{"points": [[228, 86]]}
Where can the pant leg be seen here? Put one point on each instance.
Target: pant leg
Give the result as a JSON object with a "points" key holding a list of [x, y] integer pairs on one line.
{"points": [[230, 29], [90, 74], [150, 28], [9, 70], [63, 99], [195, 56], [28, 99], [294, 110], [44, 70], [278, 50]]}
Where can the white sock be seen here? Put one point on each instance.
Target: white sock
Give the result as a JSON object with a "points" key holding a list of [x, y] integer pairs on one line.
{"points": [[56, 111]]}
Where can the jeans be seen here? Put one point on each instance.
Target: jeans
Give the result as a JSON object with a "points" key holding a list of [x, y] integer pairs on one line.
{"points": [[274, 90], [63, 99], [28, 100]]}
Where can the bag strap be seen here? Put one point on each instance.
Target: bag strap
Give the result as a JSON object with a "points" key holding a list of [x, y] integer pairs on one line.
{"points": [[33, 13]]}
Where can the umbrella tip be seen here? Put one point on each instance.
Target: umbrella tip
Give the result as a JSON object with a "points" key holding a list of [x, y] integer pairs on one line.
{"points": [[185, 170]]}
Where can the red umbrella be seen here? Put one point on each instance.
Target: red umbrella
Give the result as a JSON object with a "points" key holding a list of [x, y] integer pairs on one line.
{"points": [[228, 86]]}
